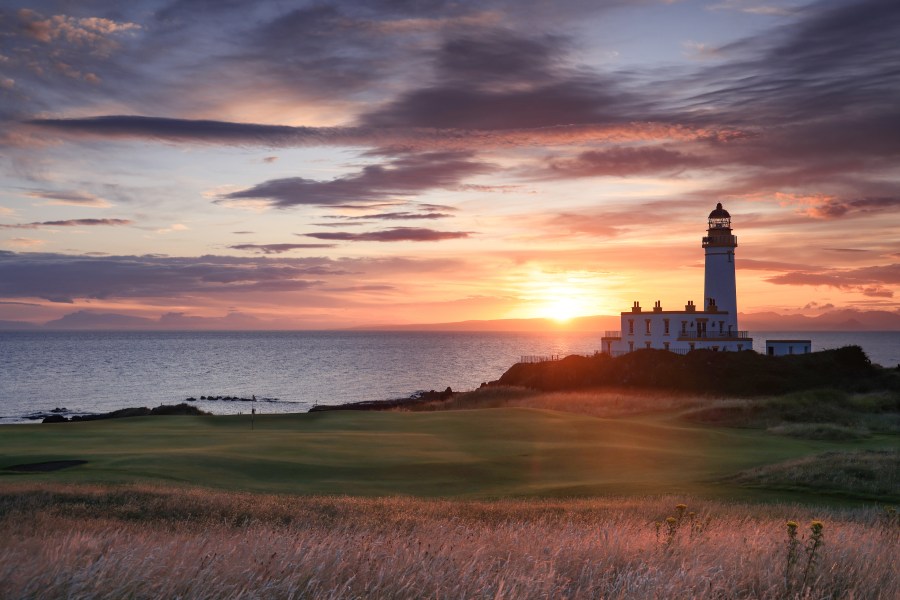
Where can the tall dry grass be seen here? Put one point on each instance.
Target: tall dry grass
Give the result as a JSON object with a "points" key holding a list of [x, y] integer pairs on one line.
{"points": [[143, 542]]}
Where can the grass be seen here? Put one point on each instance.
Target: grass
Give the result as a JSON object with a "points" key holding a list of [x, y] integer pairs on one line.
{"points": [[149, 542], [492, 453], [873, 473], [600, 402], [431, 504]]}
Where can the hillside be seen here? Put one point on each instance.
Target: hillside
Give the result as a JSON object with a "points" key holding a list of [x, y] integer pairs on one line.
{"points": [[705, 371]]}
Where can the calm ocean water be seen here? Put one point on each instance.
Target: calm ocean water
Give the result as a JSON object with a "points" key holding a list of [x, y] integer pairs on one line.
{"points": [[89, 372]]}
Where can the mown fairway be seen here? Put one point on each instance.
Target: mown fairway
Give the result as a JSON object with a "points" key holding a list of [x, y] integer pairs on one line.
{"points": [[479, 454]]}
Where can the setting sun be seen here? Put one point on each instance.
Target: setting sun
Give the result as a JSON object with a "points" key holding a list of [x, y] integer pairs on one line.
{"points": [[565, 308]]}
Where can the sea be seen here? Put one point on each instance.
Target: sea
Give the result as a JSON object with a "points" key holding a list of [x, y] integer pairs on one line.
{"points": [[287, 372]]}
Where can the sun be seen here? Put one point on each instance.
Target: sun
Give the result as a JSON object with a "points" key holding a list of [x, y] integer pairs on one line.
{"points": [[561, 309], [561, 296], [564, 304]]}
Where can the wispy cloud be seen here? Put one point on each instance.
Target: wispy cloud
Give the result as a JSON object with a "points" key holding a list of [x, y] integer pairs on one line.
{"points": [[68, 223], [69, 198], [408, 174], [277, 248], [394, 216], [63, 278], [871, 281], [396, 234], [20, 242]]}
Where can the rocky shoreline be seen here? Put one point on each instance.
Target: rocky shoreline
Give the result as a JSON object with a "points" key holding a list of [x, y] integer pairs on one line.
{"points": [[142, 411], [421, 397]]}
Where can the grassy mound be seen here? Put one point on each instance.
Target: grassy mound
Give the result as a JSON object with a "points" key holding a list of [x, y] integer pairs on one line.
{"points": [[821, 431], [704, 371], [602, 402], [873, 473], [798, 412]]}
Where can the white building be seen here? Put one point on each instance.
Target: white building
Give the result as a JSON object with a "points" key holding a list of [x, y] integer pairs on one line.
{"points": [[785, 347], [714, 327]]}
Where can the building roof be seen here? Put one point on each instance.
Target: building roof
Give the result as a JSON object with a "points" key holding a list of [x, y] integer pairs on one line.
{"points": [[719, 213]]}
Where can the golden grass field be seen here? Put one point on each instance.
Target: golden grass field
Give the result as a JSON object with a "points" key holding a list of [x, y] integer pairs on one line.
{"points": [[152, 542]]}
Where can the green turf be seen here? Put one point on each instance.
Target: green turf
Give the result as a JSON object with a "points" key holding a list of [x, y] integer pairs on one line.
{"points": [[483, 453]]}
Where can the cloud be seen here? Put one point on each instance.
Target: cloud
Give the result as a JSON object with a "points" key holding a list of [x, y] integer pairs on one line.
{"points": [[833, 208], [700, 50], [394, 216], [24, 242], [396, 234], [73, 198], [499, 80], [64, 278], [754, 7], [95, 32], [625, 161], [198, 130], [751, 264], [405, 175], [828, 73], [191, 131], [277, 248], [870, 281], [172, 228], [68, 223]]}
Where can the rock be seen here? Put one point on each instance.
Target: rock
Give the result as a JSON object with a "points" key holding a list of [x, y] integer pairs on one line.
{"points": [[55, 419], [192, 399]]}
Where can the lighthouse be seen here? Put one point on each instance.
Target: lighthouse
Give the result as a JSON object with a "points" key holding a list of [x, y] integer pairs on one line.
{"points": [[719, 288], [712, 325]]}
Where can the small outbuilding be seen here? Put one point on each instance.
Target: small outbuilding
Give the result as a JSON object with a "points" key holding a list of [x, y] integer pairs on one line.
{"points": [[785, 347]]}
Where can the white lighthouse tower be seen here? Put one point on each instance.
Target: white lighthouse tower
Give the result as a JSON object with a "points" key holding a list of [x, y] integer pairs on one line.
{"points": [[710, 326], [719, 289]]}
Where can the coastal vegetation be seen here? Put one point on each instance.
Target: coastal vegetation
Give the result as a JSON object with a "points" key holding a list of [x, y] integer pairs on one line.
{"points": [[707, 372], [154, 542]]}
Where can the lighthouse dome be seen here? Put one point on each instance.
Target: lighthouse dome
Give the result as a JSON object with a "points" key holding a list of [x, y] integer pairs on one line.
{"points": [[719, 213]]}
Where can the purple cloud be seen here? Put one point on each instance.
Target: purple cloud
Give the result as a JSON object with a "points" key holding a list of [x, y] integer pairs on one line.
{"points": [[870, 281], [277, 248], [68, 223], [405, 175], [396, 216], [625, 161], [396, 234], [62, 278]]}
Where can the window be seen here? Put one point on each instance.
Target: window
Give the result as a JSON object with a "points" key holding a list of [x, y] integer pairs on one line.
{"points": [[630, 326], [666, 326], [683, 327], [647, 322], [631, 346], [646, 344], [665, 345], [691, 345], [770, 351]]}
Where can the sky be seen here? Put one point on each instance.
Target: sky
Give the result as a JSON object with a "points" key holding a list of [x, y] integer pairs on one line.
{"points": [[335, 164]]}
